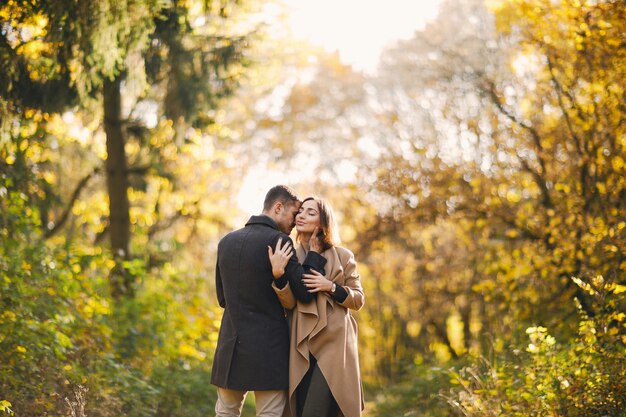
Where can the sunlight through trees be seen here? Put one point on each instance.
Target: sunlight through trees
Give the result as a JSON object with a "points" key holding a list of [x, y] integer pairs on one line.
{"points": [[479, 176]]}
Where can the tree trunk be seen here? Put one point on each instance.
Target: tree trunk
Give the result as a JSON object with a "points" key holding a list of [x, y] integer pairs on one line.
{"points": [[442, 332], [117, 187], [466, 317]]}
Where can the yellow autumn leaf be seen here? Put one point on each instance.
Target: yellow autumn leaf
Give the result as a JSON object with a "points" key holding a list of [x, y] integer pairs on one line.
{"points": [[619, 289], [50, 177]]}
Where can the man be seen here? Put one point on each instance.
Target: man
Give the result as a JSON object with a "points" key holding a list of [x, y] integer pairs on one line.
{"points": [[252, 351]]}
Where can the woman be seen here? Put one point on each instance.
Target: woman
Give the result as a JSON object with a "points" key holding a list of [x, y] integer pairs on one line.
{"points": [[324, 377]]}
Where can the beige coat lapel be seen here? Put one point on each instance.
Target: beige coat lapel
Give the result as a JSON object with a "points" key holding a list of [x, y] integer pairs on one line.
{"points": [[326, 329]]}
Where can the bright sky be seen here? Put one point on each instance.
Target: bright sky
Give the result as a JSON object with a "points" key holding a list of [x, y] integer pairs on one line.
{"points": [[358, 30]]}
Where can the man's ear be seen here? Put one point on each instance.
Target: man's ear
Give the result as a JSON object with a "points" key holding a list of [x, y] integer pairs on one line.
{"points": [[278, 207]]}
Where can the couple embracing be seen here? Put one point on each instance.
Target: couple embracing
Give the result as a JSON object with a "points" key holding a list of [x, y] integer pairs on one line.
{"points": [[287, 333]]}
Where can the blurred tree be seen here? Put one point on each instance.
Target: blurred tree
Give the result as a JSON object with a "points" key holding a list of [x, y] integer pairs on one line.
{"points": [[485, 158], [149, 354], [123, 55], [522, 192]]}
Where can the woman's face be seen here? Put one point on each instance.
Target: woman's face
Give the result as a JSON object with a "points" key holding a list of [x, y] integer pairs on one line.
{"points": [[308, 217]]}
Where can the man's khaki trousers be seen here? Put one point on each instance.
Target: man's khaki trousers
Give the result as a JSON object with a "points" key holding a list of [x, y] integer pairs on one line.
{"points": [[268, 403]]}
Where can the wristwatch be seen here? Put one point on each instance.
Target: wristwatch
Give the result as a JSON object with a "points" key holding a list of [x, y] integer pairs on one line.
{"points": [[333, 288]]}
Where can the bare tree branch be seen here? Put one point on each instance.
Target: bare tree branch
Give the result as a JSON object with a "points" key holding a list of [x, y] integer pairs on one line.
{"points": [[63, 218], [537, 176], [559, 94], [139, 170]]}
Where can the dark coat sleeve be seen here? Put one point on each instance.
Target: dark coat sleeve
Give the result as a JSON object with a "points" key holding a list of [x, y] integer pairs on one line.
{"points": [[294, 271], [219, 287]]}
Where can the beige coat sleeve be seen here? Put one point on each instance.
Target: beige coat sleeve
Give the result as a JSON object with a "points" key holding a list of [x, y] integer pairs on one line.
{"points": [[352, 284], [285, 296]]}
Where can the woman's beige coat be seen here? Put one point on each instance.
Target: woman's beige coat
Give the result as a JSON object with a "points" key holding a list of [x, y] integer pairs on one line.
{"points": [[326, 328]]}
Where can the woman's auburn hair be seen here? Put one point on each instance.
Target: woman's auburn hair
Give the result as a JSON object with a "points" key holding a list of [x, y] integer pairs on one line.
{"points": [[330, 236]]}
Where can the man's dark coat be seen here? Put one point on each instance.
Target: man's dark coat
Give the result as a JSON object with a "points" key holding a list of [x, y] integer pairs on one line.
{"points": [[252, 351]]}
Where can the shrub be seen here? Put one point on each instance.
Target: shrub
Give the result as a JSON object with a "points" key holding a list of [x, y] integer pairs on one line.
{"points": [[582, 378]]}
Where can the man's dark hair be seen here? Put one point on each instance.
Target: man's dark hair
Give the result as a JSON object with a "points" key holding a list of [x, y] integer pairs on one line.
{"points": [[280, 193]]}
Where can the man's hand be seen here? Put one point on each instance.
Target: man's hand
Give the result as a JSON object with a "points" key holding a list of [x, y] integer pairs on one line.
{"points": [[316, 282], [280, 258]]}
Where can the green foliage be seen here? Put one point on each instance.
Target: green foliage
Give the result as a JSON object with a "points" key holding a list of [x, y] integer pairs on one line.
{"points": [[184, 390], [54, 322], [417, 395], [581, 377], [127, 355], [63, 338], [480, 206], [469, 216], [36, 321]]}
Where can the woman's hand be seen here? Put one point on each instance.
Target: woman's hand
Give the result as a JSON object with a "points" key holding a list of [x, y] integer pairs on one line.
{"points": [[316, 282], [280, 258], [315, 243]]}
